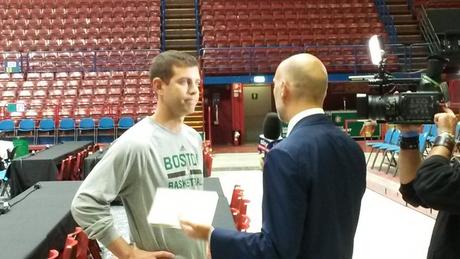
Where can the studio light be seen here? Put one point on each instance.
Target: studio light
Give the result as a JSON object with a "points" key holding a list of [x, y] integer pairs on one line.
{"points": [[375, 48]]}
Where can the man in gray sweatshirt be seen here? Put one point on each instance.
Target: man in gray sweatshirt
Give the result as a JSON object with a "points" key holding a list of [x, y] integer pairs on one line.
{"points": [[159, 151]]}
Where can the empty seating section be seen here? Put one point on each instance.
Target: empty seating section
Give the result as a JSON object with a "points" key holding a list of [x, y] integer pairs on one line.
{"points": [[437, 3], [265, 59], [97, 60], [36, 25], [79, 95], [79, 35], [266, 32]]}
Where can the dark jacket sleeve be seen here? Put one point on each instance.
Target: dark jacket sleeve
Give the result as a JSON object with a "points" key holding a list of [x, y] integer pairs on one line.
{"points": [[436, 186], [284, 208], [409, 195]]}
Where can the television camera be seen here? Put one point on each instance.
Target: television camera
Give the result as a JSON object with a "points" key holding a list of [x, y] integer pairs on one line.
{"points": [[402, 100]]}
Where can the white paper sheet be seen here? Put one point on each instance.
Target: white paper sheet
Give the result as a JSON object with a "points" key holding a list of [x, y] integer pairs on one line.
{"points": [[170, 205]]}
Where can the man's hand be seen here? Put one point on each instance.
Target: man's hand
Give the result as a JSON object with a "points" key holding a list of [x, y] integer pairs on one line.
{"points": [[446, 121], [196, 231], [137, 253], [121, 249]]}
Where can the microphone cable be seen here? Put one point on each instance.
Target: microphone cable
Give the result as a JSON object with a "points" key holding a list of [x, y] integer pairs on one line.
{"points": [[6, 206]]}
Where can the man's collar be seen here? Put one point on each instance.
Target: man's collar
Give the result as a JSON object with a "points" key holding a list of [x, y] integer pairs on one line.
{"points": [[301, 115]]}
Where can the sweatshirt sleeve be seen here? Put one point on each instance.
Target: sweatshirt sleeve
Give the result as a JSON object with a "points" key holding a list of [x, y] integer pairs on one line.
{"points": [[91, 204], [438, 184]]}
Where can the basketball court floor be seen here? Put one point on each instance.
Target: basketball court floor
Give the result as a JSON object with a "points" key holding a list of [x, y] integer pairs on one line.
{"points": [[386, 229]]}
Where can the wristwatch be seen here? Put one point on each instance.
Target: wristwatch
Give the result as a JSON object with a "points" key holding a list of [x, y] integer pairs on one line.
{"points": [[445, 139]]}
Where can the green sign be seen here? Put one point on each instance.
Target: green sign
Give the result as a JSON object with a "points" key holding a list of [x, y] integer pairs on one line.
{"points": [[13, 67]]}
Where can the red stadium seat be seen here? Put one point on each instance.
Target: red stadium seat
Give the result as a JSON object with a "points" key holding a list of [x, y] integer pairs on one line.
{"points": [[70, 249], [53, 254]]}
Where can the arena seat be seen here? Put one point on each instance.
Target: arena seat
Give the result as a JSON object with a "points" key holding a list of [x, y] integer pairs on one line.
{"points": [[251, 24]]}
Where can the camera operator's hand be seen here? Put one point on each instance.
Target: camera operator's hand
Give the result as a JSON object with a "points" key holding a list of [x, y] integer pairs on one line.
{"points": [[446, 121]]}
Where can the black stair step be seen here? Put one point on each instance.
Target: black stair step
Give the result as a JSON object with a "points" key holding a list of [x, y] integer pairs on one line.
{"points": [[180, 4], [193, 53], [180, 13], [398, 9], [404, 19], [420, 51], [181, 44], [180, 23], [409, 39], [401, 2], [180, 34], [407, 29]]}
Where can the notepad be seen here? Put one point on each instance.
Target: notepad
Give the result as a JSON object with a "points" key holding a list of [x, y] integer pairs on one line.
{"points": [[170, 205]]}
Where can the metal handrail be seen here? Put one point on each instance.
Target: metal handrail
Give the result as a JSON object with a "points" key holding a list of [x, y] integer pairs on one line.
{"points": [[402, 56], [95, 61], [387, 20], [427, 29], [197, 27], [356, 53], [162, 25]]}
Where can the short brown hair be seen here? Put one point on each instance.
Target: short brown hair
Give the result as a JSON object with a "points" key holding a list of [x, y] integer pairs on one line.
{"points": [[162, 65]]}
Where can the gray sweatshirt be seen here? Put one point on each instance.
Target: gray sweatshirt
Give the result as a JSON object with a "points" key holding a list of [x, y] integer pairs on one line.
{"points": [[145, 157]]}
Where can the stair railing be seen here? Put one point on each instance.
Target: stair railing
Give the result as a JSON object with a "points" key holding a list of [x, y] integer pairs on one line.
{"points": [[197, 27], [428, 32], [387, 19], [162, 25]]}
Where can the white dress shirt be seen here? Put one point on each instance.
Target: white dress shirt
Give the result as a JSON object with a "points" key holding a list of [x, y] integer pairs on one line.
{"points": [[301, 115]]}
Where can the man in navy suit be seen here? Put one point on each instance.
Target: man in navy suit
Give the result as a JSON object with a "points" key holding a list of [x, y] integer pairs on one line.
{"points": [[313, 180]]}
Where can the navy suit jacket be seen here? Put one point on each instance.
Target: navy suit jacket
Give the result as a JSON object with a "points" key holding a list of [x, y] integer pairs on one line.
{"points": [[313, 184]]}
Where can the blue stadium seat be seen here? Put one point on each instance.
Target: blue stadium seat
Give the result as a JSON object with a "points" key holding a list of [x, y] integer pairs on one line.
{"points": [[106, 124], [27, 126], [87, 125], [46, 125], [124, 123], [67, 125], [376, 145], [7, 128], [385, 147]]}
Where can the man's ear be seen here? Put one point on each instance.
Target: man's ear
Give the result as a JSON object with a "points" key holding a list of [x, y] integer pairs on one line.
{"points": [[285, 91], [157, 85]]}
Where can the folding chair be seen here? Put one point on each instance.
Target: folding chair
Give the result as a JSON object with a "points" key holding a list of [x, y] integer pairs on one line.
{"points": [[64, 170], [375, 146], [4, 184], [75, 170], [237, 197], [85, 245], [433, 134], [82, 238], [243, 219], [387, 149]]}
